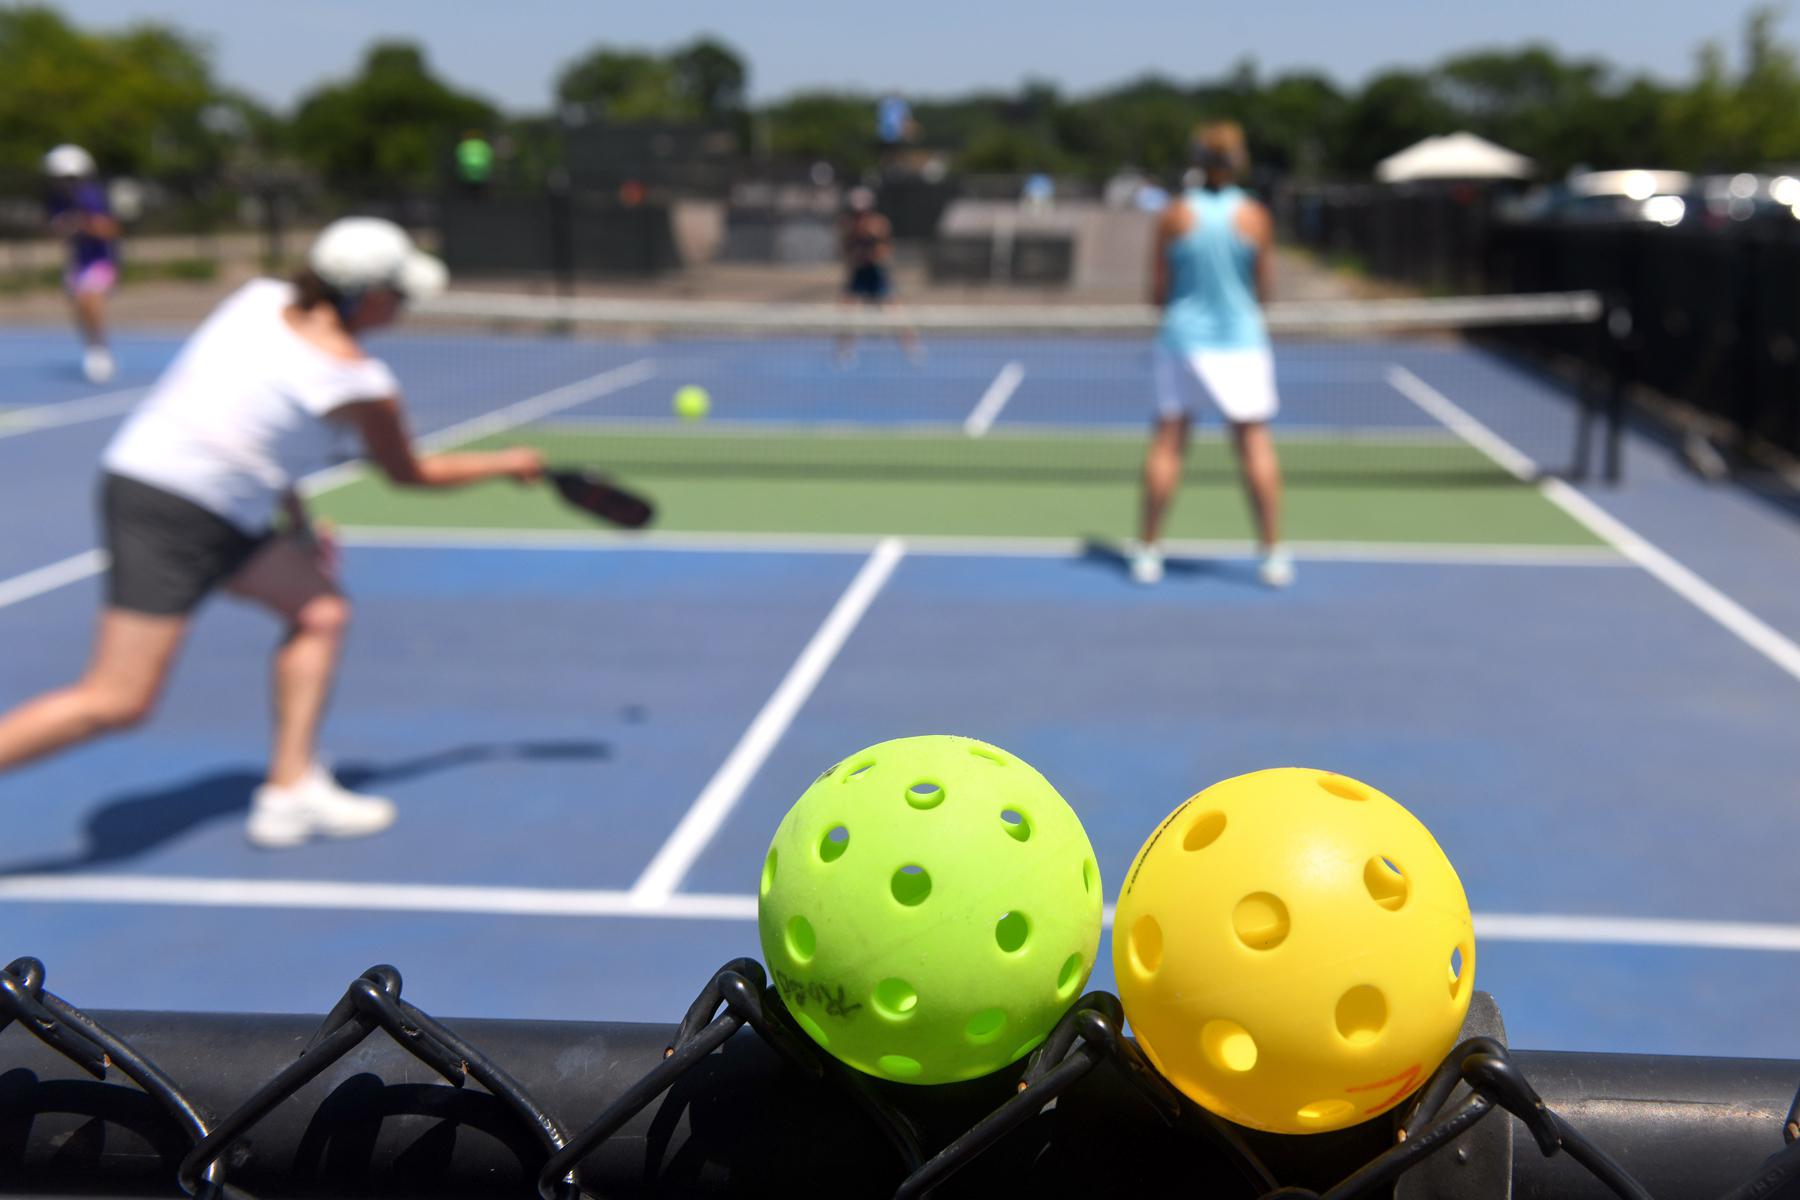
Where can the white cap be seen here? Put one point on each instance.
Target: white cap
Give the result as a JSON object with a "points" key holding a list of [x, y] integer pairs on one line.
{"points": [[860, 199], [67, 161], [353, 254]]}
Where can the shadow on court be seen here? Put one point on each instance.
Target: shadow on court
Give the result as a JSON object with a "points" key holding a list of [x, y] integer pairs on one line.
{"points": [[136, 823], [1111, 556]]}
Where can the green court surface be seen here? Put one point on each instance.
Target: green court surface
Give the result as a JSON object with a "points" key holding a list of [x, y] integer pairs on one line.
{"points": [[1015, 486]]}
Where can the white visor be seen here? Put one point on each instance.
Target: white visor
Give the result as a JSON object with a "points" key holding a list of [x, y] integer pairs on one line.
{"points": [[355, 254], [68, 162]]}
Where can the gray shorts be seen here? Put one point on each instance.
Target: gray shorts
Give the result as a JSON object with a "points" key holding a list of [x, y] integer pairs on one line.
{"points": [[167, 552]]}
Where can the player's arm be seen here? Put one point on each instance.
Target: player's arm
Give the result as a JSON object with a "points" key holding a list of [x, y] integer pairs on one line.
{"points": [[87, 215], [884, 239], [100, 225], [385, 437], [1259, 227], [1169, 227]]}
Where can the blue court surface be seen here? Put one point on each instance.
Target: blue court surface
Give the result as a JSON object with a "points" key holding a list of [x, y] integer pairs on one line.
{"points": [[592, 739]]}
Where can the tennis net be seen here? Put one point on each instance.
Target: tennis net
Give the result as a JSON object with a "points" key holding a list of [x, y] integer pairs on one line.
{"points": [[1386, 391]]}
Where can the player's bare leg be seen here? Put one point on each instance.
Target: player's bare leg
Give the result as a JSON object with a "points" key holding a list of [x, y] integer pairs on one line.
{"points": [[846, 341], [90, 319], [301, 800], [285, 578], [1261, 469], [1163, 462], [131, 659]]}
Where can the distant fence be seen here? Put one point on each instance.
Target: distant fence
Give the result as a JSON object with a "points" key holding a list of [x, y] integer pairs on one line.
{"points": [[1430, 236]]}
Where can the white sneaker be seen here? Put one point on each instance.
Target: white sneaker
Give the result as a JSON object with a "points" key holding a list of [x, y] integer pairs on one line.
{"points": [[316, 806], [97, 364], [1146, 565], [1277, 567]]}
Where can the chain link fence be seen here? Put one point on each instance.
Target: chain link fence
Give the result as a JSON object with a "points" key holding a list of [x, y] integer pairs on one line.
{"points": [[381, 1099]]}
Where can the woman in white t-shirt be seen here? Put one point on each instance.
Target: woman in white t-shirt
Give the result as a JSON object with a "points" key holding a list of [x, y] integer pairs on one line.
{"points": [[193, 486]]}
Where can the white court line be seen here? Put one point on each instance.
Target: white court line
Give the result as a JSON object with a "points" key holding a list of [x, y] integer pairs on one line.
{"points": [[934, 429], [656, 886], [196, 892], [47, 579], [1728, 613], [200, 892], [17, 421], [987, 410], [92, 562], [500, 420], [1636, 931], [927, 546]]}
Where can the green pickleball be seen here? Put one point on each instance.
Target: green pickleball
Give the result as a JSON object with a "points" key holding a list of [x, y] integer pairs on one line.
{"points": [[929, 908]]}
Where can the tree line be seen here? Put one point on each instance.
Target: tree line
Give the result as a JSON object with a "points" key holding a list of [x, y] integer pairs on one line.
{"points": [[148, 102]]}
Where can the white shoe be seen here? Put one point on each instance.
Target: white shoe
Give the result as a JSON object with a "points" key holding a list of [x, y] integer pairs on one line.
{"points": [[316, 806], [1277, 567], [1146, 565], [97, 364]]}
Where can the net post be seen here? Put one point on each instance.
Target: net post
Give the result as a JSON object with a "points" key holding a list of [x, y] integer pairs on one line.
{"points": [[1620, 333], [1589, 400]]}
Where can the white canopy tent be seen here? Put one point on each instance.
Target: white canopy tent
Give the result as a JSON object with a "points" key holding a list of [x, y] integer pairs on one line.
{"points": [[1455, 156]]}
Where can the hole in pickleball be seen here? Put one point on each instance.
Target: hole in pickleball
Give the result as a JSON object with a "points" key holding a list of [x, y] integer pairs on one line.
{"points": [[990, 755], [895, 999], [1325, 1112], [899, 1066], [1228, 1045], [1260, 921], [1345, 787], [1017, 827], [768, 875], [925, 794], [1145, 946], [801, 941], [1386, 883], [985, 1025], [1011, 931], [1362, 1012], [1204, 832], [858, 771], [1068, 977], [1090, 876], [910, 885], [834, 843], [1458, 959]]}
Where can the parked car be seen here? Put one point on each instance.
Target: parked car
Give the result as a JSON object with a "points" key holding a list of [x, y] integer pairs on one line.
{"points": [[1609, 197]]}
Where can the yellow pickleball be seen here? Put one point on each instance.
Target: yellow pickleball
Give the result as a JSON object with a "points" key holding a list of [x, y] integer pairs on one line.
{"points": [[1294, 951], [692, 402]]}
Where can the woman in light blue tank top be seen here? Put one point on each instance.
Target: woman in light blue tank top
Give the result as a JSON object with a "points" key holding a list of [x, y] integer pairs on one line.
{"points": [[1211, 299], [1210, 276]]}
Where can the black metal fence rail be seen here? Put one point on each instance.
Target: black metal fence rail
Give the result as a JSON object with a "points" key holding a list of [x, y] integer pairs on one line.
{"points": [[1709, 318], [380, 1099]]}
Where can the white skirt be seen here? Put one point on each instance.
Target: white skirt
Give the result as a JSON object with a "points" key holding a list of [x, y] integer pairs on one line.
{"points": [[1240, 384]]}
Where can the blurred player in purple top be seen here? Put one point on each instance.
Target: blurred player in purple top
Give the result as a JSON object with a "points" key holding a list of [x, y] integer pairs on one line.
{"points": [[79, 212]]}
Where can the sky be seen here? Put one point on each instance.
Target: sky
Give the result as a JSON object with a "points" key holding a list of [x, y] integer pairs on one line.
{"points": [[511, 50]]}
